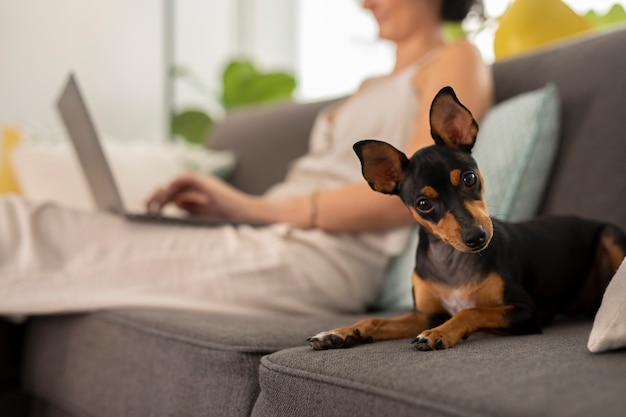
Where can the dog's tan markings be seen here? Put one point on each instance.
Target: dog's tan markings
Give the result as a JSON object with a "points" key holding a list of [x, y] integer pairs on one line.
{"points": [[614, 251], [489, 292], [428, 226], [455, 177], [482, 183], [429, 191], [609, 256], [448, 229], [480, 213], [426, 295], [371, 330], [487, 311], [464, 323], [436, 297]]}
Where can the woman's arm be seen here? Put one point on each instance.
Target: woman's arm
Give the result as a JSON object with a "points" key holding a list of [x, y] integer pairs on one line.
{"points": [[352, 208]]}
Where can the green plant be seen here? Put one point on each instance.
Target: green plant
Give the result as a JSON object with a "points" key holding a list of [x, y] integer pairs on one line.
{"points": [[242, 84], [616, 14]]}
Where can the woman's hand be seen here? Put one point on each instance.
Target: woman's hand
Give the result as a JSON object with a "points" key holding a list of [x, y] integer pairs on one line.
{"points": [[203, 196], [348, 209]]}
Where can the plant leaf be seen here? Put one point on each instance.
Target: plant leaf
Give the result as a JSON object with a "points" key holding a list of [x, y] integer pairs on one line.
{"points": [[236, 75], [192, 125], [244, 84], [454, 31], [616, 14], [265, 88]]}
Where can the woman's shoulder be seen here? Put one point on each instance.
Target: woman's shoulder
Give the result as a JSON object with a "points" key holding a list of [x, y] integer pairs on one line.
{"points": [[454, 56], [366, 83], [461, 50], [460, 65]]}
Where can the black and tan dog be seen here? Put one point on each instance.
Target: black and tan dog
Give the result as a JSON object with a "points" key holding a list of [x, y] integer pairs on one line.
{"points": [[473, 272]]}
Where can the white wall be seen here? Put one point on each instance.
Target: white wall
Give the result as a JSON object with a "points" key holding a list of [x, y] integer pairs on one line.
{"points": [[114, 46], [204, 37], [119, 50], [338, 47]]}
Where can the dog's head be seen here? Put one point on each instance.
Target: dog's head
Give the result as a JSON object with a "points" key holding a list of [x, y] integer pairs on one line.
{"points": [[440, 184]]}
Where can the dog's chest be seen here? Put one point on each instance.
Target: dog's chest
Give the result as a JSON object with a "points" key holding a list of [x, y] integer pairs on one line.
{"points": [[457, 300]]}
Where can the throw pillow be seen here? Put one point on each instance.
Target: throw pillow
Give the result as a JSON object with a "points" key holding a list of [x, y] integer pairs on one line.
{"points": [[8, 183], [517, 140], [609, 327]]}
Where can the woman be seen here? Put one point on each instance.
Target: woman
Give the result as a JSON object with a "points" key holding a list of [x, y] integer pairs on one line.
{"points": [[329, 236]]}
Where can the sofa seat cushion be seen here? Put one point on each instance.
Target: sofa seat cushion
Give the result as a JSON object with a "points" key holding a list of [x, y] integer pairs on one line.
{"points": [[156, 363], [551, 374]]}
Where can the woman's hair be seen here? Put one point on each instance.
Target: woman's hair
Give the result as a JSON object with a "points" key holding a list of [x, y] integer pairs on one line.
{"points": [[457, 10]]}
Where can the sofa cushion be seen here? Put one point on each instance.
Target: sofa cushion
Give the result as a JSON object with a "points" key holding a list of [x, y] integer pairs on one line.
{"points": [[609, 326], [156, 363], [482, 376]]}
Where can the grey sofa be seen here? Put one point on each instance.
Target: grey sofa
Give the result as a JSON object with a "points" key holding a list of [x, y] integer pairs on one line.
{"points": [[164, 363]]}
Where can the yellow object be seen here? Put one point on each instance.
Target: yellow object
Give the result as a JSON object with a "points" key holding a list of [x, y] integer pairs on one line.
{"points": [[529, 24], [8, 182]]}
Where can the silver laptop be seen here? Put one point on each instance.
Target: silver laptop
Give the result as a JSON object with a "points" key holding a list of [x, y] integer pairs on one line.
{"points": [[84, 136]]}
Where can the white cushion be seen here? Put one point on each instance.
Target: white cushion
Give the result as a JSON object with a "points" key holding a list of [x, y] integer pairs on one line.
{"points": [[609, 327]]}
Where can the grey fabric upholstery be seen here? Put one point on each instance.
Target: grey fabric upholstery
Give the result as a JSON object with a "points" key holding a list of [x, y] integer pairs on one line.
{"points": [[264, 144], [156, 363], [549, 375], [588, 177], [170, 363]]}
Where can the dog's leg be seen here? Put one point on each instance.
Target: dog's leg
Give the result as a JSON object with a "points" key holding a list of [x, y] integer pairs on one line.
{"points": [[611, 247], [462, 324], [609, 255], [370, 330]]}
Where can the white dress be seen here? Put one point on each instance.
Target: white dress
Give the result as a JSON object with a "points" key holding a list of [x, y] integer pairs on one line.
{"points": [[53, 259]]}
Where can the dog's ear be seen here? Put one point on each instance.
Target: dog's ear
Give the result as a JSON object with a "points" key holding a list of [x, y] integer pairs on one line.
{"points": [[451, 123], [382, 165]]}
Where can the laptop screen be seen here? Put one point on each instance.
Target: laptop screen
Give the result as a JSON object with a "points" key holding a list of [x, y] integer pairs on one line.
{"points": [[84, 136]]}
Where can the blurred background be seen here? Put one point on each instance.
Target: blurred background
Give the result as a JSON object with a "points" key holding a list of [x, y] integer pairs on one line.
{"points": [[142, 61]]}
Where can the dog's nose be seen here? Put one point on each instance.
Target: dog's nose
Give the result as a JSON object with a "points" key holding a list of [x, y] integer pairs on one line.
{"points": [[475, 237]]}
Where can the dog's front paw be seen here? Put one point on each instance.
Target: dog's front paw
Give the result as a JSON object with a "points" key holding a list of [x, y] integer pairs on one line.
{"points": [[433, 340], [338, 338]]}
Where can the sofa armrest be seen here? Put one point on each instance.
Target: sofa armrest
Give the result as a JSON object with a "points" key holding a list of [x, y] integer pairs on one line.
{"points": [[265, 140]]}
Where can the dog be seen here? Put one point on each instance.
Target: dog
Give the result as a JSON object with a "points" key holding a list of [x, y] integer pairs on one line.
{"points": [[474, 272]]}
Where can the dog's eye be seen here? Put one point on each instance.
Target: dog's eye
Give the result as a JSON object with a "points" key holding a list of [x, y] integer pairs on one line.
{"points": [[470, 179], [424, 205]]}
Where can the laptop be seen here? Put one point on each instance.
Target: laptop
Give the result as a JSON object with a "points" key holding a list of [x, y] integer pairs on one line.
{"points": [[97, 171]]}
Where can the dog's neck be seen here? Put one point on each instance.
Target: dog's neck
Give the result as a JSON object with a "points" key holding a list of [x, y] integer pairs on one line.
{"points": [[440, 261]]}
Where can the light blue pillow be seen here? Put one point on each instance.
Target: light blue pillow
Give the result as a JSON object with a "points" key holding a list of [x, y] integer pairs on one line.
{"points": [[515, 150]]}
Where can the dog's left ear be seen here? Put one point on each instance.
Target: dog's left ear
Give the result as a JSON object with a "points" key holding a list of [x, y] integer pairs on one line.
{"points": [[451, 123], [382, 165]]}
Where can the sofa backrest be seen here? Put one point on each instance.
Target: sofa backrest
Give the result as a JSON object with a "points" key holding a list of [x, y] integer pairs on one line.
{"points": [[265, 140], [589, 175]]}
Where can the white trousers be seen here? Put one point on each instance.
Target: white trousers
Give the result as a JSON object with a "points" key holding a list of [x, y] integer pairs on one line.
{"points": [[53, 259]]}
